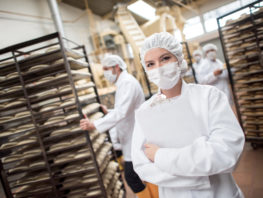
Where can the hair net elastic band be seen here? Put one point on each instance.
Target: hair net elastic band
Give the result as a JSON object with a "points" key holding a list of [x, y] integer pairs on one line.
{"points": [[197, 52], [209, 46], [113, 60]]}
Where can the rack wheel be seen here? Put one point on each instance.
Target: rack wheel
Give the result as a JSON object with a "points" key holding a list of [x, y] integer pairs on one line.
{"points": [[254, 145]]}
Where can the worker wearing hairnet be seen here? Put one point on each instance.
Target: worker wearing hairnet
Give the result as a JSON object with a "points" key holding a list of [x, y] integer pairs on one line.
{"points": [[186, 139], [197, 55], [129, 96], [212, 72]]}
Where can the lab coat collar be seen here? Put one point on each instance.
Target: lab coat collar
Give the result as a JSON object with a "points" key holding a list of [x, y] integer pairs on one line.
{"points": [[121, 77], [160, 98], [184, 87]]}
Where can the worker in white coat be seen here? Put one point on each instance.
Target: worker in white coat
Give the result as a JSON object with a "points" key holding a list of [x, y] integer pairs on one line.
{"points": [[212, 71], [198, 58], [129, 96], [186, 139]]}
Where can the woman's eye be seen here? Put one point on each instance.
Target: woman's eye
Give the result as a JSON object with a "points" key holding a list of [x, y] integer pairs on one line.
{"points": [[149, 64], [166, 58]]}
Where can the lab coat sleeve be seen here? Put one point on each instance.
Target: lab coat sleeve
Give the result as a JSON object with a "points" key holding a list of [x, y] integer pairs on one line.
{"points": [[114, 139], [224, 74], [207, 79], [216, 153], [149, 172], [123, 105]]}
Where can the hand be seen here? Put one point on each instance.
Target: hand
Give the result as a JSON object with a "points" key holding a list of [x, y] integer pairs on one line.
{"points": [[150, 151], [86, 124], [218, 72], [104, 109]]}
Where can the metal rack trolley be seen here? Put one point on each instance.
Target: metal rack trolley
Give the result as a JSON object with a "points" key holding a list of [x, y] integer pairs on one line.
{"points": [[242, 41], [15, 69]]}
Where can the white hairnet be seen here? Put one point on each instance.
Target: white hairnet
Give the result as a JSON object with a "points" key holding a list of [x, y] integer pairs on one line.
{"points": [[197, 52], [209, 46], [113, 60], [166, 41]]}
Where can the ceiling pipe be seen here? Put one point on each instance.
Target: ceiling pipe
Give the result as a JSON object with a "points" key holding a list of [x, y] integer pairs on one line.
{"points": [[53, 6]]}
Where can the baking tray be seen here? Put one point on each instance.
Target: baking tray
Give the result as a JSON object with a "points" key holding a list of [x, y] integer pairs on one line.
{"points": [[241, 30], [250, 81], [70, 161], [33, 60], [238, 76], [24, 158], [16, 146], [31, 182], [80, 185], [43, 192], [252, 98], [250, 89], [35, 99], [86, 170], [67, 148], [242, 66], [29, 170]]}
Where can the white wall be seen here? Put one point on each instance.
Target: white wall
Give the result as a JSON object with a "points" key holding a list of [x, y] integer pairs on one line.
{"points": [[16, 29]]}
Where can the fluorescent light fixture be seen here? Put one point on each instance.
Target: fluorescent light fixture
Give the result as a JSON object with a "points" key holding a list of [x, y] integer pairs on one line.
{"points": [[142, 9]]}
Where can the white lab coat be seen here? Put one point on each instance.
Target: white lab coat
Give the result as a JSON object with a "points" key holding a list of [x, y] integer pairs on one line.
{"points": [[195, 67], [200, 143], [115, 139], [128, 97], [205, 75]]}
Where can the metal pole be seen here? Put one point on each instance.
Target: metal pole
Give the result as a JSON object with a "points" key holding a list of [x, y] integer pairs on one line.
{"points": [[53, 6], [44, 154], [191, 63], [75, 93], [229, 73]]}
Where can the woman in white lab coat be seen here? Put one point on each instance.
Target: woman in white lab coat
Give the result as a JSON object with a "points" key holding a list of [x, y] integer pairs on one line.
{"points": [[186, 138]]}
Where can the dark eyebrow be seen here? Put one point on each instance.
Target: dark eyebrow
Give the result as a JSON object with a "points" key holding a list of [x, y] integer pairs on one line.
{"points": [[165, 55], [148, 61], [159, 57]]}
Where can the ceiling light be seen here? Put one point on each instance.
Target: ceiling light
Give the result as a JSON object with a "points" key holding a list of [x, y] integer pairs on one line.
{"points": [[142, 9]]}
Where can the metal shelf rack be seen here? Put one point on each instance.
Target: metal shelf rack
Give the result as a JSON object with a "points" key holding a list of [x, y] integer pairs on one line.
{"points": [[43, 151], [242, 41]]}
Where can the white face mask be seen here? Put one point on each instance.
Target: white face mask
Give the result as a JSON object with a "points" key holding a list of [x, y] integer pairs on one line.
{"points": [[211, 55], [197, 58], [165, 77], [109, 76]]}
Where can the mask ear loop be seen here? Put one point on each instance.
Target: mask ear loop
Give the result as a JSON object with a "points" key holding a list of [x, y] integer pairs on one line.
{"points": [[183, 67]]}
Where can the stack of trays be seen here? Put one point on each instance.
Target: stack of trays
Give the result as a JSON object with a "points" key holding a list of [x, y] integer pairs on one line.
{"points": [[44, 150], [243, 40]]}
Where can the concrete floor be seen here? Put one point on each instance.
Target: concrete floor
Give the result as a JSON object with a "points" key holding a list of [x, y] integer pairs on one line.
{"points": [[1, 191], [248, 174]]}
